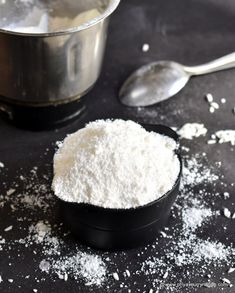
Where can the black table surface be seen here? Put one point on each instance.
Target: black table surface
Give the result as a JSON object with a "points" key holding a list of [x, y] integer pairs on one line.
{"points": [[187, 31]]}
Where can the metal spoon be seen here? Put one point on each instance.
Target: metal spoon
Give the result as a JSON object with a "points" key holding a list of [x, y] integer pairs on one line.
{"points": [[158, 81]]}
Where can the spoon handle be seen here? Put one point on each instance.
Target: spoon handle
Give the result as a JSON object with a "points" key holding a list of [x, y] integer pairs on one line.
{"points": [[225, 62]]}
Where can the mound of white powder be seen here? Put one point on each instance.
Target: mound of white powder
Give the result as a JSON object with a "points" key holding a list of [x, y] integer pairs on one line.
{"points": [[115, 164]]}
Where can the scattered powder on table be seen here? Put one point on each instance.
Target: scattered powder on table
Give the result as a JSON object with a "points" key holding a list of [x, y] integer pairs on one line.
{"points": [[193, 216], [41, 233], [212, 105], [36, 193], [2, 242], [195, 172], [225, 136], [191, 130], [89, 267], [145, 47], [115, 164]]}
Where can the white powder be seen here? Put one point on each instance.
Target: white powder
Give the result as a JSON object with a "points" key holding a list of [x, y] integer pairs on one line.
{"points": [[209, 250], [213, 105], [196, 172], [115, 164], [10, 191], [211, 109], [115, 276], [8, 228], [225, 136], [145, 47], [35, 22], [89, 267], [227, 213], [41, 230], [225, 280], [44, 266], [39, 20], [191, 130], [194, 216], [209, 98]]}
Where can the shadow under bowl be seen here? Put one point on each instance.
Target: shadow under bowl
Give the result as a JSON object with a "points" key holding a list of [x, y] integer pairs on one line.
{"points": [[118, 229]]}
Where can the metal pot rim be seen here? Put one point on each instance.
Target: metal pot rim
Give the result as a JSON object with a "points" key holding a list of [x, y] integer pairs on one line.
{"points": [[109, 10]]}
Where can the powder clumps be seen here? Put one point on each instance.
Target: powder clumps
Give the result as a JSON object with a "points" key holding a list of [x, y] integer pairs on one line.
{"points": [[191, 130], [225, 136], [115, 164]]}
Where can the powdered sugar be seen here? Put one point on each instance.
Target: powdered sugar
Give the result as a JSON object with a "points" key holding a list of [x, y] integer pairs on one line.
{"points": [[89, 267], [191, 130], [194, 216], [40, 18], [115, 164], [196, 172], [44, 266], [226, 136]]}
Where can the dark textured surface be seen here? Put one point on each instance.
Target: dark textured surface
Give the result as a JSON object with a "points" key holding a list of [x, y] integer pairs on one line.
{"points": [[187, 31]]}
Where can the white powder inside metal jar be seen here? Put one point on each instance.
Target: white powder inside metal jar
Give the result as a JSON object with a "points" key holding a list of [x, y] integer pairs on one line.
{"points": [[115, 164]]}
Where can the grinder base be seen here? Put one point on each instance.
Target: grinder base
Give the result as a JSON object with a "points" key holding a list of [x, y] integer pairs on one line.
{"points": [[41, 117]]}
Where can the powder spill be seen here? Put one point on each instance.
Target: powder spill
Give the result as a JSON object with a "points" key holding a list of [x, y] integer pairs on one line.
{"points": [[9, 228], [226, 136], [89, 267], [213, 105], [191, 130], [145, 47], [92, 165], [196, 172], [193, 216]]}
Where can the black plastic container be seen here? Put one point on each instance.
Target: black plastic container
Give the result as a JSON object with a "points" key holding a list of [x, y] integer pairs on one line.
{"points": [[116, 229]]}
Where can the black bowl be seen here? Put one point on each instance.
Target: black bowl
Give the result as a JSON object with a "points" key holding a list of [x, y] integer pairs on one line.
{"points": [[117, 229]]}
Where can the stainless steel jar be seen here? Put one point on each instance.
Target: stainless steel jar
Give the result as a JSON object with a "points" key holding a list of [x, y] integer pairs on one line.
{"points": [[53, 67]]}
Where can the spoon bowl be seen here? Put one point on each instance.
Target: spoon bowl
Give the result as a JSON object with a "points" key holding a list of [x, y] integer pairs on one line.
{"points": [[153, 83]]}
